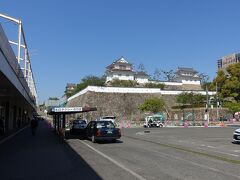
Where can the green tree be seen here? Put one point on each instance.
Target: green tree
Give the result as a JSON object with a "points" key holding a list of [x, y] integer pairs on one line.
{"points": [[183, 98], [228, 83], [187, 99], [233, 107], [88, 81], [190, 100], [153, 85], [153, 105], [198, 100], [123, 83]]}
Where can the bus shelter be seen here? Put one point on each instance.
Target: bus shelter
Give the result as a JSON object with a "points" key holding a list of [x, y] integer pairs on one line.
{"points": [[59, 116]]}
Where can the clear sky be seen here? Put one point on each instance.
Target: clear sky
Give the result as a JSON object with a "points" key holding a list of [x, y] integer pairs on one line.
{"points": [[70, 39]]}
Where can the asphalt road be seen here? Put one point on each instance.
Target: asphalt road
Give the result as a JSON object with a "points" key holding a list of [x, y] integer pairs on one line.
{"points": [[165, 153]]}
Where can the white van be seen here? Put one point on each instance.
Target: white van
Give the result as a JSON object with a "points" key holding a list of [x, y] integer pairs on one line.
{"points": [[108, 118]]}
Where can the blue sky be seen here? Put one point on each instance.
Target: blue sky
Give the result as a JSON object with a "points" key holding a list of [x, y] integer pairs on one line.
{"points": [[70, 39]]}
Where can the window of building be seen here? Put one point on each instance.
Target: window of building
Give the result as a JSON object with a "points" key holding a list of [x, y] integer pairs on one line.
{"points": [[122, 67]]}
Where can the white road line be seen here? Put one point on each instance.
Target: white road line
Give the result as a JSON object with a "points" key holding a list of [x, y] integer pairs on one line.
{"points": [[140, 133], [213, 147], [114, 161], [194, 163], [230, 154], [9, 137], [235, 155]]}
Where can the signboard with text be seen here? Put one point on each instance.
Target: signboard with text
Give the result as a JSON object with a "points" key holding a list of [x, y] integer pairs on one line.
{"points": [[67, 109]]}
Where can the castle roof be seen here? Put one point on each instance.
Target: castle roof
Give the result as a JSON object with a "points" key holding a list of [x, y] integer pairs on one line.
{"points": [[120, 61], [187, 70]]}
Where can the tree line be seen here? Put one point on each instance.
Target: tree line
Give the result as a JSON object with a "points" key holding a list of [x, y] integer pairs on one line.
{"points": [[227, 87]]}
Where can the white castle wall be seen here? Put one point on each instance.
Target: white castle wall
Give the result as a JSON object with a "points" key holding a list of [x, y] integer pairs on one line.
{"points": [[133, 90]]}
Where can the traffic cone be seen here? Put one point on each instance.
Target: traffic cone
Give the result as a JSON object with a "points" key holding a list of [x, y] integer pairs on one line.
{"points": [[206, 125], [222, 124], [121, 125]]}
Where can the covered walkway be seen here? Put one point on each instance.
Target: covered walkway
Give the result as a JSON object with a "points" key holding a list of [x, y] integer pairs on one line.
{"points": [[41, 157]]}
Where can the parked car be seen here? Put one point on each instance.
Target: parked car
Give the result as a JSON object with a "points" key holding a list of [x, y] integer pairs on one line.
{"points": [[102, 130], [78, 126], [236, 136], [108, 118]]}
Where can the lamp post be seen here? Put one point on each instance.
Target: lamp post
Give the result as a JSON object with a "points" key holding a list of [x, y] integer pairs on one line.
{"points": [[217, 101], [206, 111]]}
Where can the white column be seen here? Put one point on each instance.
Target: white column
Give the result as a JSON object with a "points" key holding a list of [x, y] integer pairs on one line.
{"points": [[19, 41]]}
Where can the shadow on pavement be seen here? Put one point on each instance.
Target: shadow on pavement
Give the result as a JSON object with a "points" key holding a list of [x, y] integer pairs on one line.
{"points": [[41, 157], [83, 137]]}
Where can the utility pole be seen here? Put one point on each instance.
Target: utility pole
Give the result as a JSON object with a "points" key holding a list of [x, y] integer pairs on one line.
{"points": [[206, 111], [217, 101]]}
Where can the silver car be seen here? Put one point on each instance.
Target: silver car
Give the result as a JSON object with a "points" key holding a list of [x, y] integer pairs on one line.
{"points": [[236, 136]]}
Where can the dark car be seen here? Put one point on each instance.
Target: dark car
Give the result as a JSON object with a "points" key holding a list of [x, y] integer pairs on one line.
{"points": [[102, 130], [78, 126]]}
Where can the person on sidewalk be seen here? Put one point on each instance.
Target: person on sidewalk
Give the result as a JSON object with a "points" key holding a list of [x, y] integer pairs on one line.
{"points": [[2, 126], [34, 125]]}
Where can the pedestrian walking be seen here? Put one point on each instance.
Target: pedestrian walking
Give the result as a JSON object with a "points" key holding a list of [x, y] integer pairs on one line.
{"points": [[2, 126], [34, 125]]}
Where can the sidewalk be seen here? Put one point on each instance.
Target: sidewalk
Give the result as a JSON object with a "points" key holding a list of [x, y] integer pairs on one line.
{"points": [[41, 157]]}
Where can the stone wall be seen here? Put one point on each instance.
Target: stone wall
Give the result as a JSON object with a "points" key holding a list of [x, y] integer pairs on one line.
{"points": [[125, 106], [122, 105]]}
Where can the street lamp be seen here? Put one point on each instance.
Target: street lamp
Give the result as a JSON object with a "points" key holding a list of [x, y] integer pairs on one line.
{"points": [[206, 117], [217, 100]]}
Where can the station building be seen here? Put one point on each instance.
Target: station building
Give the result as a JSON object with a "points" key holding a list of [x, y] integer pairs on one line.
{"points": [[18, 96]]}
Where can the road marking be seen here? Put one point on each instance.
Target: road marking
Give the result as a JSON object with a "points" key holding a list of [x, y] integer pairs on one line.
{"points": [[212, 147], [186, 149], [114, 161], [9, 137], [196, 164], [140, 133], [235, 155], [203, 145]]}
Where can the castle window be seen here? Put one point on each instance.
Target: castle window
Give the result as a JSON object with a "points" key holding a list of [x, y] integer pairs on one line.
{"points": [[122, 67]]}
